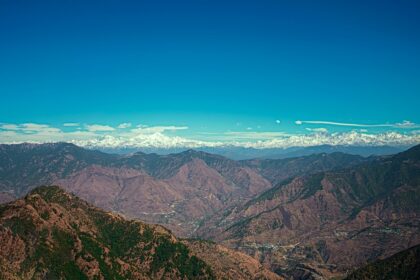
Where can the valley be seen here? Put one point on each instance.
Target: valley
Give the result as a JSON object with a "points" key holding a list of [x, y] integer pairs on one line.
{"points": [[312, 217]]}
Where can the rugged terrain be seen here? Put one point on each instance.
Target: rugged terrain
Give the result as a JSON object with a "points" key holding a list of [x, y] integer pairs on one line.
{"points": [[180, 191], [311, 217], [327, 223], [403, 265], [51, 234]]}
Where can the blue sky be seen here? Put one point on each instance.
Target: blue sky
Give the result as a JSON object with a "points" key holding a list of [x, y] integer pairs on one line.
{"points": [[213, 71]]}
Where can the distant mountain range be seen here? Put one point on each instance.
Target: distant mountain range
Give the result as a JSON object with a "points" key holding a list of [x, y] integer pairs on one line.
{"points": [[308, 217], [239, 153], [176, 190], [179, 190]]}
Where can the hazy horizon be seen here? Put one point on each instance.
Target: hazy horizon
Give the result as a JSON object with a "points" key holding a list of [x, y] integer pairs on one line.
{"points": [[192, 74]]}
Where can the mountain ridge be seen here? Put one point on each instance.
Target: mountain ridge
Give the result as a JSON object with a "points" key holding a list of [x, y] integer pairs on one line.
{"points": [[53, 234], [239, 153], [177, 190], [330, 221], [402, 265], [309, 217]]}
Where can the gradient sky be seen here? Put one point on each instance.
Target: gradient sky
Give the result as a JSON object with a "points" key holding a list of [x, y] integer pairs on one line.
{"points": [[206, 69]]}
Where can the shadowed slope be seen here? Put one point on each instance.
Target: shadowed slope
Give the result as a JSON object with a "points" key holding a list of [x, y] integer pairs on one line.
{"points": [[330, 222], [403, 265]]}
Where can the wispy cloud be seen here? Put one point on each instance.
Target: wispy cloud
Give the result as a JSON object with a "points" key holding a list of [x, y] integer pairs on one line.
{"points": [[318, 129], [34, 127], [407, 124], [9, 127], [99, 127], [253, 135], [124, 125], [71, 124], [404, 124], [29, 127], [157, 129]]}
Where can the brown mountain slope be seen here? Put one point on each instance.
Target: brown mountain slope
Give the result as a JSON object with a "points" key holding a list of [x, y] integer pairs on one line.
{"points": [[403, 265], [277, 170], [26, 166], [325, 224], [225, 262], [179, 202], [51, 234], [181, 191]]}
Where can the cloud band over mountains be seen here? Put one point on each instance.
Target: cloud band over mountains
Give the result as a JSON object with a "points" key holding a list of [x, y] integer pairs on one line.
{"points": [[404, 124], [141, 136]]}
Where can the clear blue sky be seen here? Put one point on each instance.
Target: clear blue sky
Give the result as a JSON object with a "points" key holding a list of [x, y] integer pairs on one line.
{"points": [[210, 65]]}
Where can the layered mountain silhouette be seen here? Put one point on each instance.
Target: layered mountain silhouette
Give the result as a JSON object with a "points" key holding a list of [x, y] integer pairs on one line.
{"points": [[330, 222], [179, 191], [310, 217], [241, 153]]}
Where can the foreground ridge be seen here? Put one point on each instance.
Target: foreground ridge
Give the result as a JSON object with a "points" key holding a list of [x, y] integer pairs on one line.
{"points": [[51, 234]]}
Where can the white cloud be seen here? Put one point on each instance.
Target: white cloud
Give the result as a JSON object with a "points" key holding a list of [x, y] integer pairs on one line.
{"points": [[278, 121], [124, 125], [164, 137], [142, 129], [29, 127], [9, 127], [318, 129], [249, 128], [71, 124], [37, 127], [404, 124], [252, 135], [99, 127]]}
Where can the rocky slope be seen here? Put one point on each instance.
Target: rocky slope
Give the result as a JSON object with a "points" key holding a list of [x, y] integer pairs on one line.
{"points": [[26, 166], [229, 264], [327, 223], [178, 197], [181, 191], [277, 170], [403, 265], [312, 217], [51, 234]]}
